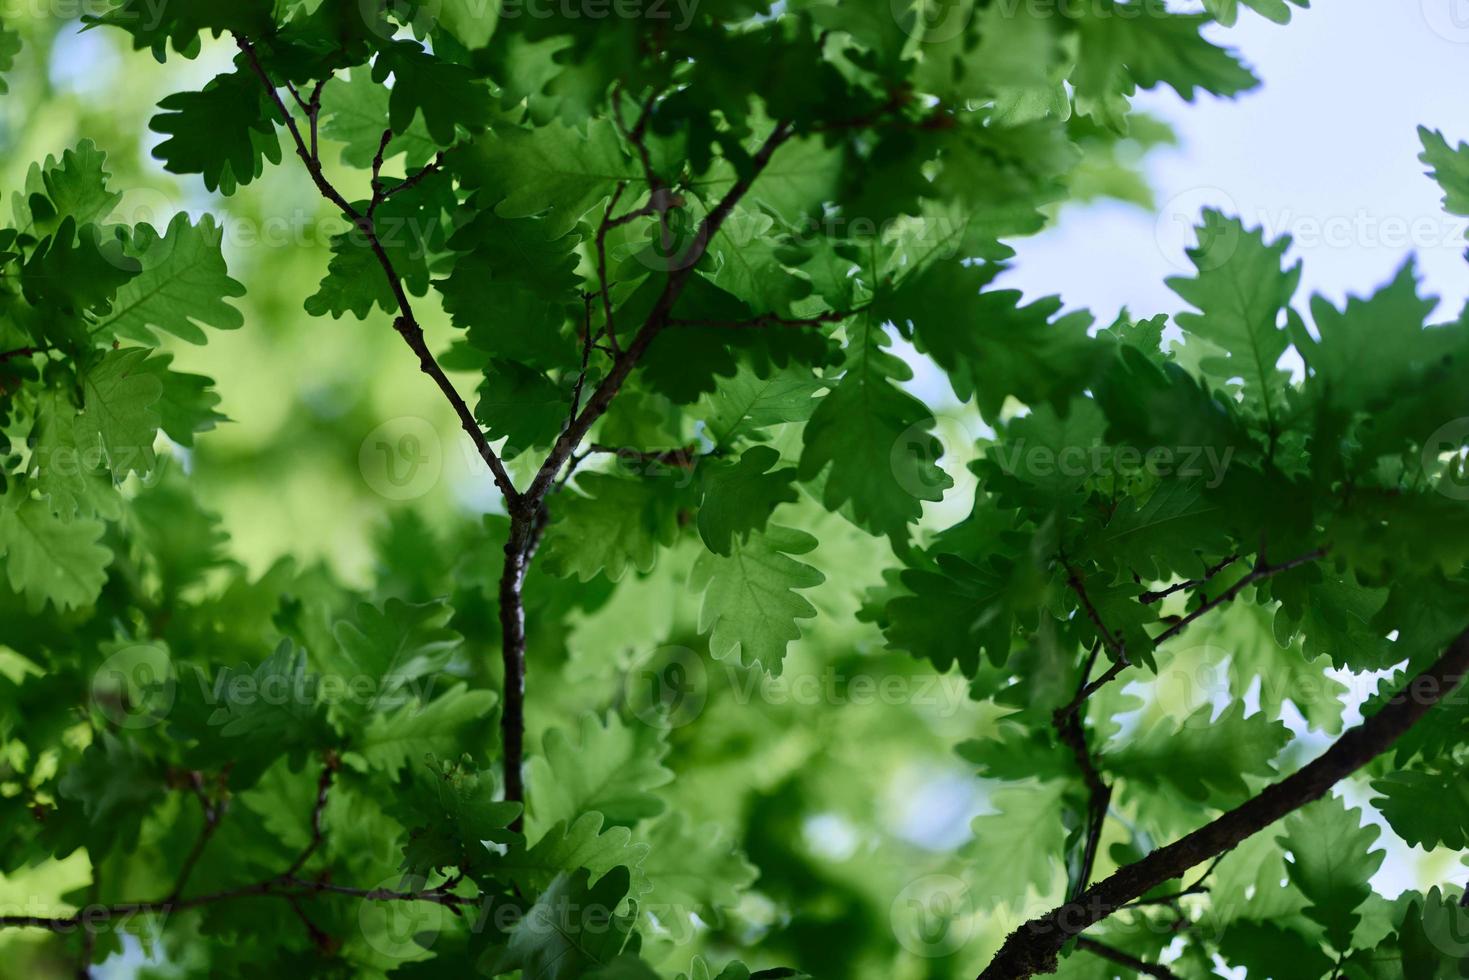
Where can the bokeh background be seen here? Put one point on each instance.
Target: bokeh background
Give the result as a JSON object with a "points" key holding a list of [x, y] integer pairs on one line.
{"points": [[855, 804]]}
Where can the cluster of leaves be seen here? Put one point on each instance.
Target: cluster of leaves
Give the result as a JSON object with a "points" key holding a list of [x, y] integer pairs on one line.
{"points": [[639, 241]]}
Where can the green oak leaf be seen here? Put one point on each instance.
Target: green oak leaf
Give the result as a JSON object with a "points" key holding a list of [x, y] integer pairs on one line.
{"points": [[872, 440], [602, 766], [183, 284], [740, 496], [51, 559], [1331, 863], [225, 132], [120, 397], [751, 603]]}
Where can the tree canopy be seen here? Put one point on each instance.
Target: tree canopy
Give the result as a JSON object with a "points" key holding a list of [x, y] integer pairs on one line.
{"points": [[560, 572]]}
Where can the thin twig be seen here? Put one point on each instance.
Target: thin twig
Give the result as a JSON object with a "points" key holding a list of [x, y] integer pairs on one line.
{"points": [[1124, 959], [586, 357], [287, 885], [415, 178], [1070, 730], [1260, 572], [635, 135], [680, 458], [323, 789], [528, 510], [1150, 597], [313, 111], [319, 938], [296, 94], [1073, 579], [609, 328], [376, 183], [410, 330], [657, 318], [1197, 888], [212, 813]]}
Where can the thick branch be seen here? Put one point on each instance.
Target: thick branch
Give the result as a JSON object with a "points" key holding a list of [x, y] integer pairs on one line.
{"points": [[407, 324], [518, 547], [1033, 947]]}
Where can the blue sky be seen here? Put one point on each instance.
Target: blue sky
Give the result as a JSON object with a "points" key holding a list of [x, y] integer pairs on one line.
{"points": [[1325, 149]]}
